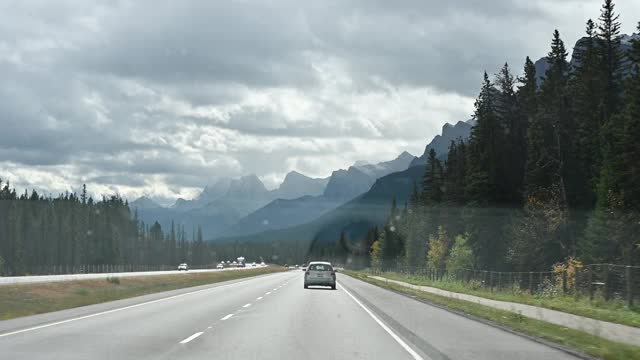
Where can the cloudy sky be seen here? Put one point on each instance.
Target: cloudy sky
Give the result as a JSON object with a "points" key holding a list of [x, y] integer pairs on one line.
{"points": [[161, 97]]}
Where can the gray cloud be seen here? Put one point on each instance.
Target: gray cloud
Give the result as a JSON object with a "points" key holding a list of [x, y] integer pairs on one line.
{"points": [[161, 97]]}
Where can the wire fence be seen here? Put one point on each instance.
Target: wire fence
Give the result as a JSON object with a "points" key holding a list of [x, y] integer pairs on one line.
{"points": [[604, 281], [108, 268]]}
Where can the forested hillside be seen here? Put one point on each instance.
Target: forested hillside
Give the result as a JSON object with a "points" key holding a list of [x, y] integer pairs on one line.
{"points": [[551, 171], [39, 232]]}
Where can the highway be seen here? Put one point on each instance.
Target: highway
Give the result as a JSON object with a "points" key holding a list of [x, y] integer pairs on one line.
{"points": [[265, 317]]}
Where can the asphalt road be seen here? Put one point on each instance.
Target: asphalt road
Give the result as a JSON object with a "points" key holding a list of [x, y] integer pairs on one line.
{"points": [[267, 317]]}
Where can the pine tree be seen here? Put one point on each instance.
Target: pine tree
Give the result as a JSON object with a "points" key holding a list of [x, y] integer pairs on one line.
{"points": [[609, 36], [587, 106], [485, 158], [514, 129]]}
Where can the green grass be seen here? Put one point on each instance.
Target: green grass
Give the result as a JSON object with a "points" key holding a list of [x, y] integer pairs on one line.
{"points": [[613, 311], [29, 299], [578, 340]]}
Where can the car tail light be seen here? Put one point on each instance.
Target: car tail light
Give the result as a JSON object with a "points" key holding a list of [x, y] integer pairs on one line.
{"points": [[333, 273]]}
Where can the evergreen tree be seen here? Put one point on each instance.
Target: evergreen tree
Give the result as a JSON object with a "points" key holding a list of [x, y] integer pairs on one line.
{"points": [[609, 36], [587, 91]]}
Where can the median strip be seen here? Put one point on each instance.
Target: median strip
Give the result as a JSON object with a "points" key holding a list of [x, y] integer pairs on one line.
{"points": [[37, 298]]}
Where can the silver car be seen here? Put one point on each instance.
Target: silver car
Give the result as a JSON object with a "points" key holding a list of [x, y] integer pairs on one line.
{"points": [[320, 273]]}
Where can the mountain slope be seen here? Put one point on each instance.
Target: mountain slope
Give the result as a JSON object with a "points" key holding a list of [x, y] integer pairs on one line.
{"points": [[296, 185], [144, 203], [354, 217], [343, 185], [440, 143]]}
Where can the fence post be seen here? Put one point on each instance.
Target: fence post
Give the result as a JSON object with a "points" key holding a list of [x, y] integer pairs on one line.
{"points": [[540, 279], [564, 281], [590, 280], [606, 282], [627, 277], [576, 281], [491, 280], [531, 282]]}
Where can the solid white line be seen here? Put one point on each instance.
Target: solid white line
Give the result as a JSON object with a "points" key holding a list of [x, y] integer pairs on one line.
{"points": [[259, 298], [115, 310], [247, 305], [395, 337], [191, 337], [227, 317]]}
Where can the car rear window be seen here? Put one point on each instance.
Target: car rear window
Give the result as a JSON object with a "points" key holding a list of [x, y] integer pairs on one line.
{"points": [[320, 267]]}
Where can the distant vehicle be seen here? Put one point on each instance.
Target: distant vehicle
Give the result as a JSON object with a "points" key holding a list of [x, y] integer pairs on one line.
{"points": [[253, 264], [241, 262], [220, 266], [262, 263], [304, 267], [292, 267], [320, 273], [183, 266]]}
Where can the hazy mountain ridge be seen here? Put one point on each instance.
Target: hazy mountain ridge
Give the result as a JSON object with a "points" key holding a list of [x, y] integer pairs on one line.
{"points": [[342, 186], [440, 143]]}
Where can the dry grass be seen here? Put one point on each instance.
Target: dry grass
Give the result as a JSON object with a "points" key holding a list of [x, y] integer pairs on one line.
{"points": [[29, 299]]}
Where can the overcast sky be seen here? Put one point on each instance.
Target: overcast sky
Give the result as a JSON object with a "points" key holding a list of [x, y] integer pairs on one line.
{"points": [[161, 97]]}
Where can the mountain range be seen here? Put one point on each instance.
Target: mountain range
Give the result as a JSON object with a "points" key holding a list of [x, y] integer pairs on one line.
{"points": [[356, 216], [245, 205], [343, 186]]}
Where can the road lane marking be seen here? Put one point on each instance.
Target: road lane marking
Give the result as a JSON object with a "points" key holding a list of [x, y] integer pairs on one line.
{"points": [[268, 293], [247, 305], [259, 298], [118, 309], [191, 337], [227, 317], [208, 327], [395, 337]]}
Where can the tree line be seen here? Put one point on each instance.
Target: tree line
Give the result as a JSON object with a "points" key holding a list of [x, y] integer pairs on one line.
{"points": [[551, 170], [37, 232]]}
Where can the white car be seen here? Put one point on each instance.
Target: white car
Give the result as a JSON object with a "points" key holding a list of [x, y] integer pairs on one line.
{"points": [[320, 273], [220, 266], [253, 264], [262, 263], [183, 266]]}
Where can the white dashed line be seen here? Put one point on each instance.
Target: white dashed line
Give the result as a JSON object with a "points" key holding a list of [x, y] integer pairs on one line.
{"points": [[209, 327], [268, 293], [259, 298], [191, 337], [227, 317], [247, 305]]}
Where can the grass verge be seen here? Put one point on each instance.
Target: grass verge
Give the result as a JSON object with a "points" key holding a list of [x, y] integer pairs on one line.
{"points": [[613, 311], [29, 299], [582, 342]]}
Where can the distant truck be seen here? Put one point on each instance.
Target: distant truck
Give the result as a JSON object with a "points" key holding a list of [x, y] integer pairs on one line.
{"points": [[241, 262]]}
